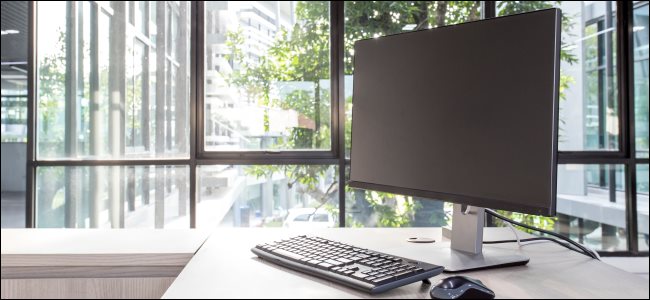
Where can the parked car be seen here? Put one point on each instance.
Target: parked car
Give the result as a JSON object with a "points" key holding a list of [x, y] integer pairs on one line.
{"points": [[308, 217]]}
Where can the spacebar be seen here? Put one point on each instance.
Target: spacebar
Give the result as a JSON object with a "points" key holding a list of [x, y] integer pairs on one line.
{"points": [[287, 254]]}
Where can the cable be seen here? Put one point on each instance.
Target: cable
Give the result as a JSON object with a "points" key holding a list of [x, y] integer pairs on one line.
{"points": [[580, 248], [584, 250], [515, 233], [545, 239]]}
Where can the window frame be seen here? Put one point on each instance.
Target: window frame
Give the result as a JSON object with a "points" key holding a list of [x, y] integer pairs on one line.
{"points": [[270, 156], [626, 154]]}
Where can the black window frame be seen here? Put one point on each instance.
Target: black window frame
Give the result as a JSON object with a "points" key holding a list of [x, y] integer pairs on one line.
{"points": [[625, 155]]}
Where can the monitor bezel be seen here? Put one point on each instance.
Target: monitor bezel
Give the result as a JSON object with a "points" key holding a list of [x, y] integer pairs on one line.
{"points": [[550, 210]]}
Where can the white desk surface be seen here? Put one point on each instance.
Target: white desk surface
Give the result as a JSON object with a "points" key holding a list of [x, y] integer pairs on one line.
{"points": [[99, 247], [226, 268]]}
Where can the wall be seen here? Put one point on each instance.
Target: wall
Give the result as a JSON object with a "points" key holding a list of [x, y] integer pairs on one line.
{"points": [[13, 166]]}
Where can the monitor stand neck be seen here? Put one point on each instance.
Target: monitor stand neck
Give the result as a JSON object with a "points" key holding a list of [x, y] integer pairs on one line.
{"points": [[466, 251], [467, 229]]}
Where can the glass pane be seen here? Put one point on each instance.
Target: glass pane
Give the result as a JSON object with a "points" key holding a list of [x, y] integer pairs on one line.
{"points": [[589, 113], [642, 205], [366, 208], [295, 196], [591, 205], [112, 197], [13, 127], [105, 89], [367, 19], [267, 70], [640, 50]]}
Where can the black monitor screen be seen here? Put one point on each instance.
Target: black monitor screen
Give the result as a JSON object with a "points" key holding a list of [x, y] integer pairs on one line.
{"points": [[465, 113]]}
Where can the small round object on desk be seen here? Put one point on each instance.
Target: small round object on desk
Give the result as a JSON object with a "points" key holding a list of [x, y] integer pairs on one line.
{"points": [[419, 240]]}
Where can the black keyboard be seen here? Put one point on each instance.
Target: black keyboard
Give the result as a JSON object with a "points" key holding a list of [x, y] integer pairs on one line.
{"points": [[370, 271]]}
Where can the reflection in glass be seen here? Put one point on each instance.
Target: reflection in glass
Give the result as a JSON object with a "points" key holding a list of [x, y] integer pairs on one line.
{"points": [[110, 84], [591, 205], [296, 196], [642, 205], [640, 51], [112, 197], [267, 70]]}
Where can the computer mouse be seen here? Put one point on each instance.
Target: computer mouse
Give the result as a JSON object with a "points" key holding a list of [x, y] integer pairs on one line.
{"points": [[461, 287]]}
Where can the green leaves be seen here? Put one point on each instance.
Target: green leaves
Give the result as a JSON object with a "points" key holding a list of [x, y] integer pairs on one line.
{"points": [[302, 54]]}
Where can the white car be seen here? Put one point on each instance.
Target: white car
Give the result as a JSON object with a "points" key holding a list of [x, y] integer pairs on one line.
{"points": [[308, 217]]}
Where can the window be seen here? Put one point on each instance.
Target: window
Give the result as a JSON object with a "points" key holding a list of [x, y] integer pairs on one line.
{"points": [[112, 197], [372, 19], [376, 18], [641, 79], [140, 122], [590, 201], [107, 91], [589, 116], [266, 195], [302, 218], [591, 206], [112, 86], [321, 218], [274, 90]]}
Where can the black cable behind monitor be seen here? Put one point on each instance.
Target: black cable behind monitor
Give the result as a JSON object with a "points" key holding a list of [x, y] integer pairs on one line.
{"points": [[580, 248]]}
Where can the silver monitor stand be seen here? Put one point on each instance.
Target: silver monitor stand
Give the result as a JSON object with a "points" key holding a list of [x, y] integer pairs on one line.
{"points": [[466, 251]]}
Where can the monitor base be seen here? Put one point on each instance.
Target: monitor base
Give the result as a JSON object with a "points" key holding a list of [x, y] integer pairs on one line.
{"points": [[465, 251], [459, 261]]}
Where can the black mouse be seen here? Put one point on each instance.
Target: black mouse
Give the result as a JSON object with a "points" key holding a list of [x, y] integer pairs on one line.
{"points": [[461, 287]]}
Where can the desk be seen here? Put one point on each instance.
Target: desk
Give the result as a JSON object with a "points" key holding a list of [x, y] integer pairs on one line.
{"points": [[97, 263], [225, 268]]}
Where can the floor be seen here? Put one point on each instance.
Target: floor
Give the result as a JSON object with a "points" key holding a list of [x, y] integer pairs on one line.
{"points": [[13, 216]]}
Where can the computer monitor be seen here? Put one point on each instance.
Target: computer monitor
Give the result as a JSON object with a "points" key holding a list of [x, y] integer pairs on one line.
{"points": [[465, 113]]}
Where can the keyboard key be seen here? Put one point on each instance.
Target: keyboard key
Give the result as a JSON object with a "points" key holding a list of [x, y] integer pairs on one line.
{"points": [[382, 279], [402, 273], [314, 262], [287, 254], [344, 260], [359, 275], [325, 265], [334, 262]]}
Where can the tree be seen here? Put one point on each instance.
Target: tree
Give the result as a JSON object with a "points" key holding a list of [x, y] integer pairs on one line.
{"points": [[51, 78], [301, 53]]}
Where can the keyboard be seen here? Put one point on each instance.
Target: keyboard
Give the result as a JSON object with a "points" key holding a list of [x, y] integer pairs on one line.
{"points": [[363, 269]]}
